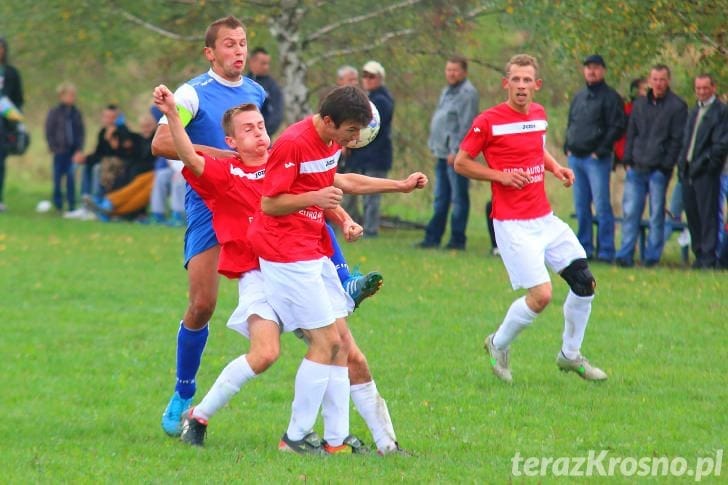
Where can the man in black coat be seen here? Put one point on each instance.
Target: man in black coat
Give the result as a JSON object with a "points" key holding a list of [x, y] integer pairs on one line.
{"points": [[12, 87], [654, 139], [273, 107], [705, 143]]}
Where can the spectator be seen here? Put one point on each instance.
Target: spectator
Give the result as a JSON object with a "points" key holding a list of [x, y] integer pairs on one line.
{"points": [[259, 71], [638, 87], [595, 122], [375, 159], [455, 111], [723, 203], [654, 137], [65, 134], [347, 76], [12, 87], [704, 148], [130, 199]]}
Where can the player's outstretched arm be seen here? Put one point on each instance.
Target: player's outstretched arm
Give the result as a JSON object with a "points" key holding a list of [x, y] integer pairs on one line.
{"points": [[164, 100], [566, 175], [351, 230], [357, 184], [284, 204]]}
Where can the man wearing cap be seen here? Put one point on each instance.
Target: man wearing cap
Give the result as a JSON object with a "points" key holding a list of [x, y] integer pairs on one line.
{"points": [[453, 116], [375, 159], [654, 138], [596, 121]]}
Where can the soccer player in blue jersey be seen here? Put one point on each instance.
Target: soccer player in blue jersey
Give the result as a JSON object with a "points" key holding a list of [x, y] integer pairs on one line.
{"points": [[201, 103]]}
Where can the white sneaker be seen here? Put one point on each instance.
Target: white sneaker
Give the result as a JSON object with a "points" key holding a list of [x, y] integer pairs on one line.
{"points": [[684, 238], [499, 360], [581, 366], [81, 214]]}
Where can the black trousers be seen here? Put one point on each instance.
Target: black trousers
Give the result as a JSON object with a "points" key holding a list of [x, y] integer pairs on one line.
{"points": [[700, 196]]}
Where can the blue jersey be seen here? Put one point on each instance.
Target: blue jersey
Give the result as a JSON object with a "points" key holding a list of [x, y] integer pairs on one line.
{"points": [[201, 103]]}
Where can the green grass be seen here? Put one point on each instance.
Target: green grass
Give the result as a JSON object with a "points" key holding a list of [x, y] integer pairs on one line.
{"points": [[90, 312]]}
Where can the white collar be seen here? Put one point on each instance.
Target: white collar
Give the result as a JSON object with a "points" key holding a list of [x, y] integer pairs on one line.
{"points": [[225, 82]]}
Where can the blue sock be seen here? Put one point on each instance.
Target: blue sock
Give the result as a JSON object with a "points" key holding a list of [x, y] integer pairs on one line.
{"points": [[190, 345], [338, 257]]}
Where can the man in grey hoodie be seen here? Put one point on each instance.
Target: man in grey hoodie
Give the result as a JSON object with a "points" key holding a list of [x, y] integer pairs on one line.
{"points": [[453, 116]]}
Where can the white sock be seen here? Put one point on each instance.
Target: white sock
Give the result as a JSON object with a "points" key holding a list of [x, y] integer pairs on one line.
{"points": [[576, 317], [373, 409], [228, 383], [335, 410], [312, 379], [519, 316]]}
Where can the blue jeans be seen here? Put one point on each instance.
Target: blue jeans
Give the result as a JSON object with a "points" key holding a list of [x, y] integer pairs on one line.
{"points": [[450, 187], [591, 184], [63, 166], [637, 187]]}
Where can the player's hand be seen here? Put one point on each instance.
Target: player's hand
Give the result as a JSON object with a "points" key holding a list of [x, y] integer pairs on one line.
{"points": [[566, 175], [516, 179], [328, 197], [164, 99], [416, 180], [352, 231]]}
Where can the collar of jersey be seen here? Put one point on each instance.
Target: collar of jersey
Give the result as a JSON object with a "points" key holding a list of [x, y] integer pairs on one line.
{"points": [[224, 81]]}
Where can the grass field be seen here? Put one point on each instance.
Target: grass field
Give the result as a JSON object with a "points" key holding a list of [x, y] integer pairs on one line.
{"points": [[90, 313]]}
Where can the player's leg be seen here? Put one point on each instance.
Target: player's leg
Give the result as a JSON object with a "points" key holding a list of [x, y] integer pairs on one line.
{"points": [[335, 404], [264, 350], [201, 254], [357, 285], [566, 256], [522, 250]]}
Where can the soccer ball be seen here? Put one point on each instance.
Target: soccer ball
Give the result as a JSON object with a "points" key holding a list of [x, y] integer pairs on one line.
{"points": [[43, 206], [369, 132]]}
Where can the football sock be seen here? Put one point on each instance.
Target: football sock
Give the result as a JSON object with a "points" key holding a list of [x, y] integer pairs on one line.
{"points": [[312, 379], [190, 345], [576, 317], [335, 409], [228, 383], [373, 409], [342, 268], [519, 316]]}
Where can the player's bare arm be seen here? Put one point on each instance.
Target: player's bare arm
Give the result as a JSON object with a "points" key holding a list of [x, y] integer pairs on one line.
{"points": [[351, 230], [164, 100], [357, 184], [163, 146], [566, 175], [466, 166], [284, 204]]}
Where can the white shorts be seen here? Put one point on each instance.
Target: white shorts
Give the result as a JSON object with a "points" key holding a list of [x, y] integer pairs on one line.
{"points": [[251, 301], [305, 294], [527, 246]]}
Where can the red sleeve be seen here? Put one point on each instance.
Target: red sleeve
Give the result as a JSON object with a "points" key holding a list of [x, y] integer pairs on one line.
{"points": [[282, 169], [213, 180], [477, 137]]}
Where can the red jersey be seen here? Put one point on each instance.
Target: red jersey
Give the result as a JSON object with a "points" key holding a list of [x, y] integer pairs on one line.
{"points": [[509, 141], [232, 191], [299, 162]]}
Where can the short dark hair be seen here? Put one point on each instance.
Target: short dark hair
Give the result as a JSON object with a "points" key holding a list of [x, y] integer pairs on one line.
{"points": [[112, 107], [705, 75], [346, 103], [258, 50], [662, 67], [456, 59], [211, 33], [227, 117]]}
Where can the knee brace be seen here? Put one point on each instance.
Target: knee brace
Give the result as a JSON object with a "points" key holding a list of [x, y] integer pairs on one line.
{"points": [[579, 278]]}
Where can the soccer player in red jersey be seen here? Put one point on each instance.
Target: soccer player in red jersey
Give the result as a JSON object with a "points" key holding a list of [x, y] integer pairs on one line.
{"points": [[232, 188], [512, 138]]}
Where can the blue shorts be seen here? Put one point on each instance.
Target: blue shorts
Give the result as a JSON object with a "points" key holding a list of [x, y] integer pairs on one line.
{"points": [[199, 236]]}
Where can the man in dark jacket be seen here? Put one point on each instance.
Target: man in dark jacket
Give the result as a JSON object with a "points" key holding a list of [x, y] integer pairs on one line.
{"points": [[596, 121], [65, 134], [704, 147], [272, 110], [654, 138], [12, 87], [375, 159]]}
